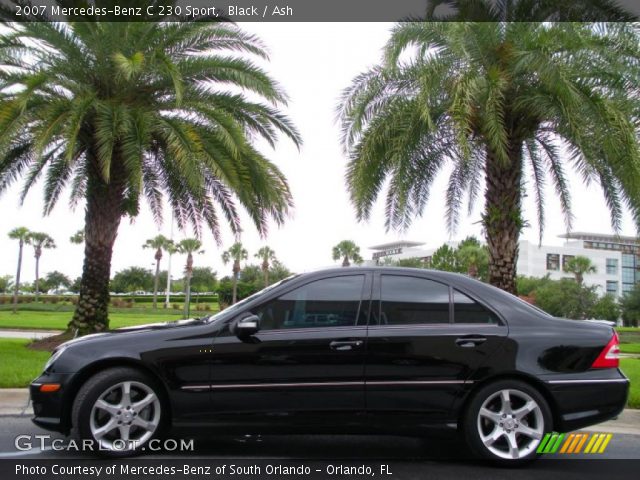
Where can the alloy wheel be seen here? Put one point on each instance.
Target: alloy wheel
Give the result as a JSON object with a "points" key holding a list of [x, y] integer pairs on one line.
{"points": [[510, 424], [125, 416]]}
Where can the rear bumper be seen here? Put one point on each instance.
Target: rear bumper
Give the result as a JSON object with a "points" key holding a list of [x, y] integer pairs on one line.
{"points": [[587, 401]]}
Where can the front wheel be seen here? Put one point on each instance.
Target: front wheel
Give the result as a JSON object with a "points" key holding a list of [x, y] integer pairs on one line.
{"points": [[119, 411], [506, 421]]}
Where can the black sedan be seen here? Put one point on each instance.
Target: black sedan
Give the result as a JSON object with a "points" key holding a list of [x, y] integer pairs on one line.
{"points": [[350, 350]]}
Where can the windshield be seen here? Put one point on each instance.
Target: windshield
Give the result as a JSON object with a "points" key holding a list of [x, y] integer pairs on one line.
{"points": [[244, 301]]}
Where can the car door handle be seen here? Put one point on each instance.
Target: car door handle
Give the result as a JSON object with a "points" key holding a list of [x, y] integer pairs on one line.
{"points": [[345, 345], [470, 341]]}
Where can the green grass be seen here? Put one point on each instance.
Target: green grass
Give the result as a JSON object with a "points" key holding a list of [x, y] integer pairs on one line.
{"points": [[631, 368], [59, 320], [630, 347], [19, 365]]}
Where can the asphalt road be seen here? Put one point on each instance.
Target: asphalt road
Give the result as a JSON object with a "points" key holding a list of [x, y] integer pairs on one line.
{"points": [[442, 455]]}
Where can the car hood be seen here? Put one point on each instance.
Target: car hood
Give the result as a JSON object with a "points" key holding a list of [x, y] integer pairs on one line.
{"points": [[135, 329]]}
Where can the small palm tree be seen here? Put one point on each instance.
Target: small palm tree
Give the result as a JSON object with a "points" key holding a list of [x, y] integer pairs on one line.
{"points": [[580, 266], [188, 247], [471, 257], [22, 235], [235, 254], [77, 238], [347, 250], [268, 256], [39, 241], [159, 243]]}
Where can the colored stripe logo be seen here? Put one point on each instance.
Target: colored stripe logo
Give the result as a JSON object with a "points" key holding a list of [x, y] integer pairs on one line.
{"points": [[574, 443]]}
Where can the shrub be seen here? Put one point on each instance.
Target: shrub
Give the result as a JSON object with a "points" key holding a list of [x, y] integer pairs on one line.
{"points": [[175, 306]]}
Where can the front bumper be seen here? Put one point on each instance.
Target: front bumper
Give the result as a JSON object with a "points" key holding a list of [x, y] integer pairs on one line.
{"points": [[51, 409], [585, 402]]}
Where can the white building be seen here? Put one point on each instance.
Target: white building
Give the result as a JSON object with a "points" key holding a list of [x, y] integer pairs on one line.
{"points": [[616, 258]]}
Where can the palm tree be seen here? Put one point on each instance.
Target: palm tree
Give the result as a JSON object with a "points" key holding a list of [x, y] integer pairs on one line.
{"points": [[124, 110], [493, 98], [39, 241], [77, 238], [347, 250], [268, 256], [22, 235], [159, 243], [579, 266], [235, 254], [188, 247]]}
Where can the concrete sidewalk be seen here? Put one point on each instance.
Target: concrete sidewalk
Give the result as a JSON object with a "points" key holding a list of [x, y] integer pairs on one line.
{"points": [[29, 334], [13, 401]]}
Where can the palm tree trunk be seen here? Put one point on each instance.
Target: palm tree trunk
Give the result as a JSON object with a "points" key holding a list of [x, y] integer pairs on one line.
{"points": [[102, 219], [37, 274], [345, 262], [502, 217], [155, 284], [265, 273], [16, 288], [187, 295], [236, 270]]}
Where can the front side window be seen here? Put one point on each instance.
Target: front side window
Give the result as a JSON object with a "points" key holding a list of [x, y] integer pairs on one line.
{"points": [[330, 302], [413, 301], [467, 310]]}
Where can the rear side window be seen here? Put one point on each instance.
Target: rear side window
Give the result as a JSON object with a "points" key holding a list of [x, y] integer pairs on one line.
{"points": [[467, 310], [413, 301]]}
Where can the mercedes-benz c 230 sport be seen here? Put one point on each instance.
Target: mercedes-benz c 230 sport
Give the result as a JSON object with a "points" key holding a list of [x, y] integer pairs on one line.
{"points": [[349, 350]]}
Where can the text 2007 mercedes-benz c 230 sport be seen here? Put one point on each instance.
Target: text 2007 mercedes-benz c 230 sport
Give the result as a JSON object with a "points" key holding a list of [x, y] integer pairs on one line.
{"points": [[349, 350]]}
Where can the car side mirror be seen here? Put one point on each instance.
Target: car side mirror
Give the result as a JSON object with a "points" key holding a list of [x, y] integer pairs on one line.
{"points": [[247, 326]]}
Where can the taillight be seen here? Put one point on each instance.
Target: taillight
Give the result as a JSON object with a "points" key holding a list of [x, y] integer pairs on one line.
{"points": [[610, 355]]}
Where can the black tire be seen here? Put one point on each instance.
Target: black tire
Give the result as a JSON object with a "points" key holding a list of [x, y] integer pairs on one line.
{"points": [[488, 425], [84, 416]]}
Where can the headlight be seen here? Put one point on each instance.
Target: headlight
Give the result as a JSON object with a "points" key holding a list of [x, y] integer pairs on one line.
{"points": [[53, 358]]}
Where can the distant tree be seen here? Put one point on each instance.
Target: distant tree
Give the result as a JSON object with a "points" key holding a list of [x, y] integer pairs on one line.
{"points": [[606, 308], [22, 235], [132, 279], [235, 255], [278, 271], [566, 298], [252, 274], [348, 251], [630, 304], [203, 279], [188, 247], [267, 255], [159, 243], [39, 241], [413, 262], [580, 266], [528, 285], [473, 260], [76, 284], [5, 283], [444, 258], [54, 280], [77, 238]]}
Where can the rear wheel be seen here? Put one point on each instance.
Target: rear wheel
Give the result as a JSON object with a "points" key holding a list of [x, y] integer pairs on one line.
{"points": [[506, 421], [119, 410]]}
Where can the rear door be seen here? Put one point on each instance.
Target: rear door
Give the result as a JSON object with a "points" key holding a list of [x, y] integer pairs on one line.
{"points": [[425, 340]]}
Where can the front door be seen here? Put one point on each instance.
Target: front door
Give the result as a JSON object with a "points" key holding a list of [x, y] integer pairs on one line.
{"points": [[307, 357], [425, 341]]}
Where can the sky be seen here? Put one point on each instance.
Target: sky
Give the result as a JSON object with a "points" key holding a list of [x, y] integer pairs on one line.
{"points": [[314, 62]]}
